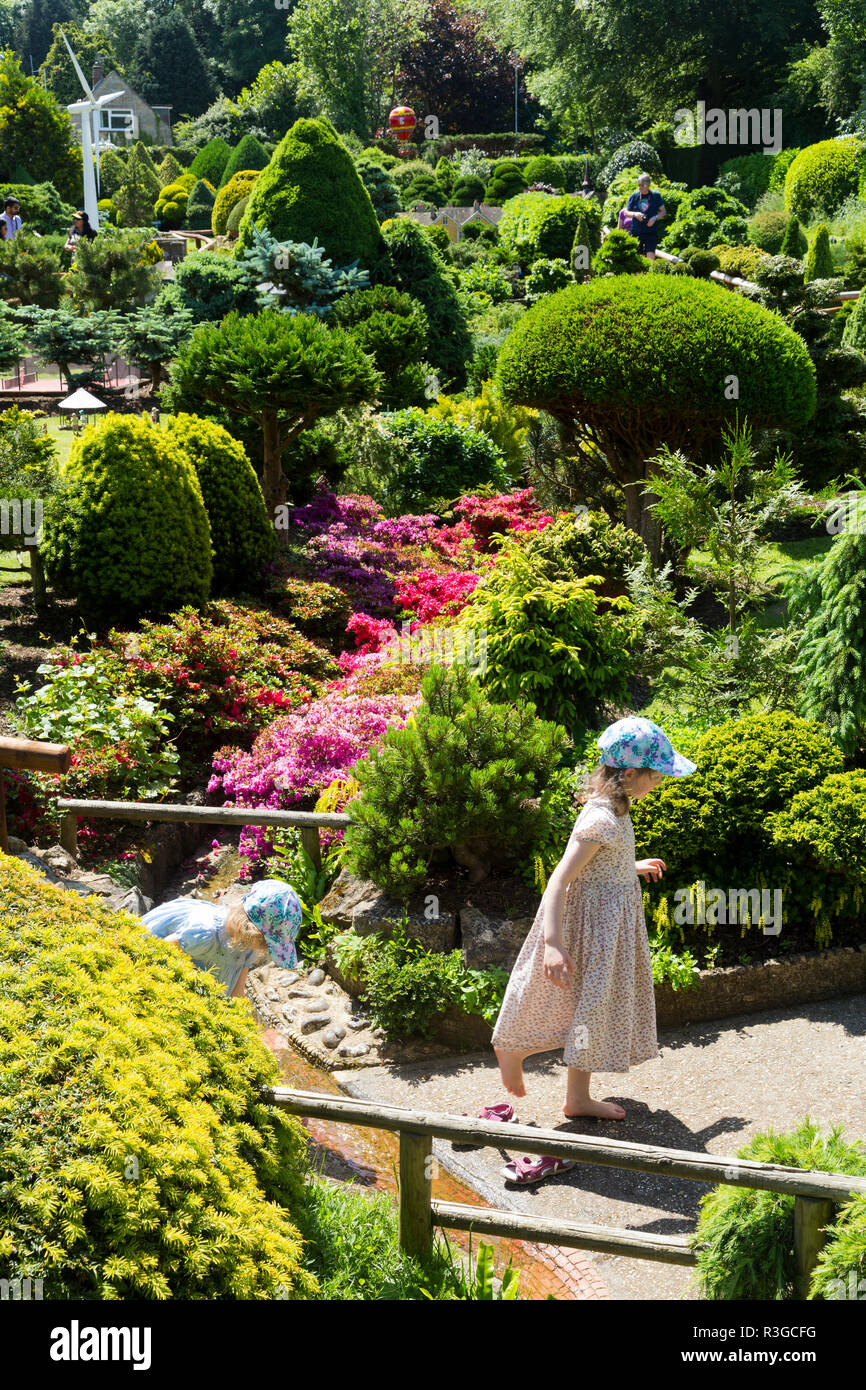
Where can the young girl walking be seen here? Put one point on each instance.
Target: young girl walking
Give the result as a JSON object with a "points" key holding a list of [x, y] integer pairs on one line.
{"points": [[583, 979], [229, 942]]}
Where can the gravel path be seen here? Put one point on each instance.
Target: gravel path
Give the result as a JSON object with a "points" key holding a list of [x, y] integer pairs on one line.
{"points": [[713, 1086]]}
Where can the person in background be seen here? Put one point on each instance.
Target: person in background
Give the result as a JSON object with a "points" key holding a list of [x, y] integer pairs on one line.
{"points": [[11, 219], [80, 228], [646, 209]]}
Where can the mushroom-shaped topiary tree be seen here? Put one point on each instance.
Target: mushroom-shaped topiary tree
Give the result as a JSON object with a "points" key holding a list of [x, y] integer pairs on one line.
{"points": [[630, 363]]}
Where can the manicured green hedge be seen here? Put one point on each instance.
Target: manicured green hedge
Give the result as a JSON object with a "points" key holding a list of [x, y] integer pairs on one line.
{"points": [[536, 225], [137, 1160], [249, 153], [211, 160], [238, 187], [822, 176]]}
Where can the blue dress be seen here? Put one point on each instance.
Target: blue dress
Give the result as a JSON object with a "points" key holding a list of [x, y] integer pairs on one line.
{"points": [[202, 935]]}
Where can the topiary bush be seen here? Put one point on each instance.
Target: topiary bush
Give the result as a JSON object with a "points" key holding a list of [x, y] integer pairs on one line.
{"points": [[854, 334], [242, 535], [505, 182], [716, 825], [751, 175], [467, 780], [636, 154], [467, 191], [442, 458], [168, 171], [423, 188], [200, 205], [137, 1158], [706, 216], [822, 176], [552, 640], [819, 258], [236, 216], [170, 207], [129, 533], [248, 153], [767, 230], [416, 268], [544, 168], [211, 161], [619, 255], [311, 190], [392, 327], [794, 242], [536, 226], [744, 1238], [238, 187], [587, 235]]}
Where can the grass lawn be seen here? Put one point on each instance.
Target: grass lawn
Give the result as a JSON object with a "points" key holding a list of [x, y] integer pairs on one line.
{"points": [[775, 558], [10, 571]]}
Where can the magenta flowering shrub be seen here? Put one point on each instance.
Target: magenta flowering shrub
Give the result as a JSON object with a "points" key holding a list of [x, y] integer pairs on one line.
{"points": [[297, 757], [361, 516], [429, 594], [370, 634], [514, 512]]}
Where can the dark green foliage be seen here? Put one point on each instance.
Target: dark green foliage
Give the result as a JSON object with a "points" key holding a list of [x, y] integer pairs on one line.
{"points": [[235, 217], [704, 217], [211, 161], [715, 825], [467, 191], [619, 255], [113, 271], [152, 337], [442, 460], [392, 328], [702, 263], [751, 175], [199, 207], [468, 776], [552, 640], [208, 287], [767, 230], [823, 175], [130, 533], [506, 181], [42, 208], [249, 153], [424, 189], [30, 271], [311, 191], [381, 187], [854, 269], [544, 168], [417, 268], [745, 1238], [819, 259], [242, 536], [794, 241], [637, 154], [62, 337]]}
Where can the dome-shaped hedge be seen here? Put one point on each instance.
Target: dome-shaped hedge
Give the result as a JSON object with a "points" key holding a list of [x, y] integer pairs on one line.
{"points": [[637, 153], [311, 190], [243, 538], [239, 186], [137, 1157], [539, 226], [822, 176], [171, 204], [656, 346], [236, 216], [129, 533]]}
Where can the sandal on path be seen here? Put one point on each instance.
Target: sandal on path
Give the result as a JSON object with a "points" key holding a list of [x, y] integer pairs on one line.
{"points": [[526, 1171], [502, 1112]]}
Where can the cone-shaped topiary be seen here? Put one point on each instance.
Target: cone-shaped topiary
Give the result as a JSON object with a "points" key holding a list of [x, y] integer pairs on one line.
{"points": [[130, 533], [311, 190], [854, 335], [466, 775], [239, 187], [210, 161], [112, 172], [819, 258], [168, 171], [236, 216], [243, 538], [200, 205], [139, 1160], [619, 254], [248, 153]]}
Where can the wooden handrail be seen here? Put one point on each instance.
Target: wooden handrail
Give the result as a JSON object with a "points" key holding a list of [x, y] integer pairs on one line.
{"points": [[816, 1195]]}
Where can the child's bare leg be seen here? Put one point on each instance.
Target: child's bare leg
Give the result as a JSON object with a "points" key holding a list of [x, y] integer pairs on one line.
{"points": [[511, 1069], [579, 1102]]}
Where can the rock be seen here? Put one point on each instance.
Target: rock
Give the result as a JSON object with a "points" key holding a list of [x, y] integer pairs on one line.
{"points": [[354, 1049], [317, 1006], [359, 1023], [288, 977], [489, 941], [379, 1033], [358, 905], [272, 994], [300, 994], [315, 977], [98, 883], [59, 859], [16, 846], [334, 1035], [135, 903], [312, 1025]]}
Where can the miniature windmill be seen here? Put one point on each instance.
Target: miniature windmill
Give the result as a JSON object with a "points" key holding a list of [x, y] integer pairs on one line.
{"points": [[88, 109]]}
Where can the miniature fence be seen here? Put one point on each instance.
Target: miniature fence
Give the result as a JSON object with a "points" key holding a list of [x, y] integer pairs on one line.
{"points": [[816, 1195], [28, 755], [734, 282], [308, 822]]}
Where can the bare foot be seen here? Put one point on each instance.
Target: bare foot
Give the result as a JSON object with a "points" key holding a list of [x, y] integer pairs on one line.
{"points": [[599, 1109], [511, 1071]]}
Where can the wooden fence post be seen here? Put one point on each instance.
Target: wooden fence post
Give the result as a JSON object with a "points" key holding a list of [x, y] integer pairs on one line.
{"points": [[811, 1217], [69, 833], [416, 1191], [310, 842]]}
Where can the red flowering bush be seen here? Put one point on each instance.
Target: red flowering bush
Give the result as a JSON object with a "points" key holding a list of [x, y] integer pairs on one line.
{"points": [[370, 634], [515, 512], [430, 594]]}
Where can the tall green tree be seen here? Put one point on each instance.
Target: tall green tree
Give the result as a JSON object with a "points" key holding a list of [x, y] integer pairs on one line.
{"points": [[137, 194], [34, 133], [86, 44], [169, 66]]}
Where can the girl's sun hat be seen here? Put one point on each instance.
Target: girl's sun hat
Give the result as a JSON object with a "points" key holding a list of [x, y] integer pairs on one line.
{"points": [[636, 742], [276, 910]]}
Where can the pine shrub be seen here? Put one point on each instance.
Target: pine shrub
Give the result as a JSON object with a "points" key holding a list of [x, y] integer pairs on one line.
{"points": [[236, 216], [211, 161], [392, 327], [636, 154], [200, 205], [767, 230], [417, 268], [238, 187], [794, 241], [249, 153], [819, 258], [466, 776], [442, 460], [137, 1158], [619, 255]]}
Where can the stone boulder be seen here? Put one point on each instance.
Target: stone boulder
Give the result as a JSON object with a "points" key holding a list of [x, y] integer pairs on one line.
{"points": [[357, 905], [490, 941]]}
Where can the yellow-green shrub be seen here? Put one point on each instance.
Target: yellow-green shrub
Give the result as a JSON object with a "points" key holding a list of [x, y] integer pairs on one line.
{"points": [[137, 1159], [239, 186]]}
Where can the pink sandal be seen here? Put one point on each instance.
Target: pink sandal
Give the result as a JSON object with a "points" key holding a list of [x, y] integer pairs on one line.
{"points": [[528, 1170], [503, 1112]]}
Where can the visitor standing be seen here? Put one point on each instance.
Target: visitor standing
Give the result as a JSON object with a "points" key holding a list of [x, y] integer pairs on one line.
{"points": [[80, 228], [646, 209], [228, 942], [583, 980], [11, 218]]}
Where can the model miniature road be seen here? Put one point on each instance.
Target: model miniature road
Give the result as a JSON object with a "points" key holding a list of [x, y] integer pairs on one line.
{"points": [[713, 1086]]}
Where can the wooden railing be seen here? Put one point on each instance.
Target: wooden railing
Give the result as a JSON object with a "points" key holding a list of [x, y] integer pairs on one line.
{"points": [[816, 1195], [308, 822]]}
